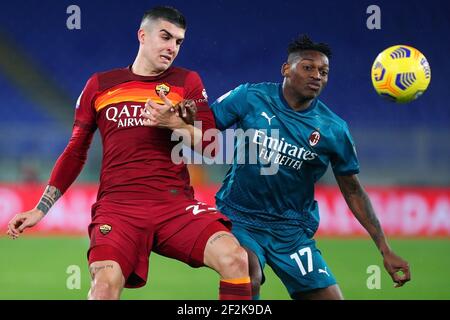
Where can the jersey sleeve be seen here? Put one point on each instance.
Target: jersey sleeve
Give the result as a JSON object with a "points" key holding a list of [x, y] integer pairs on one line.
{"points": [[85, 114], [231, 107], [196, 91], [71, 161], [344, 161]]}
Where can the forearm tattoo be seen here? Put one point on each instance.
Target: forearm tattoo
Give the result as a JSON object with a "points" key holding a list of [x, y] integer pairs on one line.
{"points": [[50, 196], [371, 217], [359, 203]]}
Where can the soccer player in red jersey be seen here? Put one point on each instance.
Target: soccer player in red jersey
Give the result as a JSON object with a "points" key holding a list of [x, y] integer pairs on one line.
{"points": [[145, 202]]}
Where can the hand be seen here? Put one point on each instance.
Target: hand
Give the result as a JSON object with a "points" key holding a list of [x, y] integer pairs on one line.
{"points": [[22, 221], [393, 265], [187, 110], [161, 116]]}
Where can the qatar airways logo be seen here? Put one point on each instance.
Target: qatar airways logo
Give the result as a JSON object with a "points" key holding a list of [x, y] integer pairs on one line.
{"points": [[125, 116]]}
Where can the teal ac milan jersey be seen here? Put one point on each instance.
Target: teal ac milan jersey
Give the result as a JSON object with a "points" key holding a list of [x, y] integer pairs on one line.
{"points": [[278, 156]]}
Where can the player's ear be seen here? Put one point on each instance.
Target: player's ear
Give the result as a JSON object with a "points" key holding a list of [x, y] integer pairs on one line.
{"points": [[141, 36], [285, 69]]}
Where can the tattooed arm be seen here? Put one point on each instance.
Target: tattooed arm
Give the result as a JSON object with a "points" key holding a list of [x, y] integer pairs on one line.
{"points": [[64, 173], [70, 162], [30, 218], [359, 203], [50, 196]]}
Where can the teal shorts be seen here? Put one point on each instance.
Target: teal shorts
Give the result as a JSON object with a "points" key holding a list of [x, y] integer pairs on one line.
{"points": [[291, 254]]}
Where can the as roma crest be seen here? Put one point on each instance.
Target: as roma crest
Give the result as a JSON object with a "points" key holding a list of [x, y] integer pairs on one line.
{"points": [[105, 229], [163, 88]]}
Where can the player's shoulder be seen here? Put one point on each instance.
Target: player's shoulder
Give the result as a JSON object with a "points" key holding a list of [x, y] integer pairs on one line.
{"points": [[248, 90], [109, 78], [182, 72], [266, 87], [261, 88], [112, 73], [327, 114]]}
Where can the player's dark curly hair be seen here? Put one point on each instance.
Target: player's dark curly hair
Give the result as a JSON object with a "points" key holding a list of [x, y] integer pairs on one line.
{"points": [[166, 13], [303, 42]]}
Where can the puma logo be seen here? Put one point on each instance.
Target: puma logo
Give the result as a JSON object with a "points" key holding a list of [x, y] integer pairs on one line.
{"points": [[324, 271], [264, 114]]}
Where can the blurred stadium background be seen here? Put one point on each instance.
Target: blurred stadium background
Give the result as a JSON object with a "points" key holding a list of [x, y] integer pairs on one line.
{"points": [[404, 150]]}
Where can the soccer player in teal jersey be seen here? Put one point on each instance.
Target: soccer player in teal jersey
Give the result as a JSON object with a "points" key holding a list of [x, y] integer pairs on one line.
{"points": [[274, 213]]}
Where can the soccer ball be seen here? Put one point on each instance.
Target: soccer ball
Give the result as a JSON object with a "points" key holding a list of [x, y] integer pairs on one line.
{"points": [[401, 73]]}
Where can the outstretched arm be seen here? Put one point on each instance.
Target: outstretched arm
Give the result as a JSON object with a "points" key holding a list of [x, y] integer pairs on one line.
{"points": [[30, 218], [359, 203], [64, 173]]}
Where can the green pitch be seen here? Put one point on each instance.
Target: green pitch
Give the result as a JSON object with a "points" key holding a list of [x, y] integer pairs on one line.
{"points": [[39, 268]]}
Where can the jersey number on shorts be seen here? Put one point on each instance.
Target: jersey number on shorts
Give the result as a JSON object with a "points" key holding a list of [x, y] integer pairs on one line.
{"points": [[296, 257]]}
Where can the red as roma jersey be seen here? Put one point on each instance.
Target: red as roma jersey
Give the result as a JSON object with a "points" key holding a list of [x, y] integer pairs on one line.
{"points": [[136, 159]]}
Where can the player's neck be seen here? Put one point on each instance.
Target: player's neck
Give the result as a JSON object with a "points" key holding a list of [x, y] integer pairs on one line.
{"points": [[141, 67], [296, 102]]}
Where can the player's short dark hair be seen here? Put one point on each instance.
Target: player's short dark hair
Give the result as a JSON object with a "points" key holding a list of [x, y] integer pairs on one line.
{"points": [[303, 42], [166, 13]]}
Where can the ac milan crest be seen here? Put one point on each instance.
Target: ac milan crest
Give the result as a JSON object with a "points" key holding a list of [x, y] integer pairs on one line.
{"points": [[314, 138]]}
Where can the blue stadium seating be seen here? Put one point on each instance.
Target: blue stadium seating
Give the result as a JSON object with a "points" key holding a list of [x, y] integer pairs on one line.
{"points": [[231, 42], [229, 46]]}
